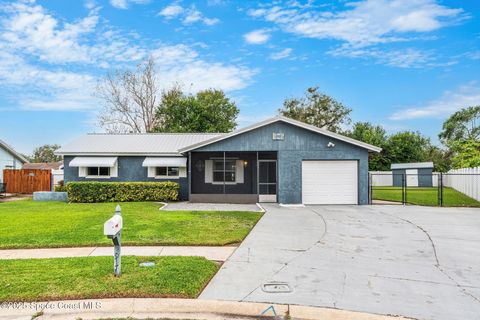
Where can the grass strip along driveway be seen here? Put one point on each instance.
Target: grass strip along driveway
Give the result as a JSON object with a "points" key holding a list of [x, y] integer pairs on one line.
{"points": [[92, 277], [425, 196], [29, 224]]}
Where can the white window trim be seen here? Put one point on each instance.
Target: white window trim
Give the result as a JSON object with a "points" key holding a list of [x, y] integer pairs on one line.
{"points": [[99, 176], [167, 176]]}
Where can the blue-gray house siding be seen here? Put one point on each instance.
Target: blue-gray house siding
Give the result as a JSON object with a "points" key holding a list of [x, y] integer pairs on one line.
{"points": [[129, 169], [299, 144]]}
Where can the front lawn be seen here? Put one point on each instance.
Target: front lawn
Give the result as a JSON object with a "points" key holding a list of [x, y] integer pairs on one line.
{"points": [[425, 196], [29, 224], [92, 277]]}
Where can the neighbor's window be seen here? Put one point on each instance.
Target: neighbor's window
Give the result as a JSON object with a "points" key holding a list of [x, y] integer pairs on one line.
{"points": [[167, 171], [98, 171], [230, 166]]}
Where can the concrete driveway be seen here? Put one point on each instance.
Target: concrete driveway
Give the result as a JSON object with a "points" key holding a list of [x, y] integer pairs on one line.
{"points": [[413, 261]]}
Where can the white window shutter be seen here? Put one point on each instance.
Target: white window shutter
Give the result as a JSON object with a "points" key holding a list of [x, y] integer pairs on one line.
{"points": [[239, 171], [182, 172], [151, 172], [208, 171], [82, 172], [114, 171]]}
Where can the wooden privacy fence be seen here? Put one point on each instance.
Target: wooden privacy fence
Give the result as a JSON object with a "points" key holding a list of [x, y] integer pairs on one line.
{"points": [[27, 180]]}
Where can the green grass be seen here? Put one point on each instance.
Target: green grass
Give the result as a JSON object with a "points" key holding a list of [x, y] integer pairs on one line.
{"points": [[425, 196], [92, 277], [29, 224]]}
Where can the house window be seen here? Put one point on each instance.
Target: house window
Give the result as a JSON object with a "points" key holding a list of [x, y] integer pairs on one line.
{"points": [[98, 171], [167, 171], [218, 170]]}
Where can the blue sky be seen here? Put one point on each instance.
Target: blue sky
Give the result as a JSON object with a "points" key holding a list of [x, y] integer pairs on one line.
{"points": [[406, 65]]}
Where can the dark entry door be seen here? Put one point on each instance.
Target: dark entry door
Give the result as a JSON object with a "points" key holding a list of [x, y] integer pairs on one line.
{"points": [[267, 180]]}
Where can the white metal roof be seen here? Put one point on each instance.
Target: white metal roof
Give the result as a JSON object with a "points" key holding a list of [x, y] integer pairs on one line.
{"points": [[412, 165], [165, 162], [286, 120], [133, 144], [93, 162]]}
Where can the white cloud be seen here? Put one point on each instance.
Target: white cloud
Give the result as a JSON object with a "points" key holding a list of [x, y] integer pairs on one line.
{"points": [[37, 88], [189, 16], [46, 64], [285, 53], [363, 23], [450, 102], [259, 36], [119, 4], [406, 58], [123, 4], [182, 64], [171, 11], [365, 26]]}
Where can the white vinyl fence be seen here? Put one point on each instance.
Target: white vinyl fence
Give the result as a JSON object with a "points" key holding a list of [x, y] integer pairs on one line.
{"points": [[381, 178], [466, 181]]}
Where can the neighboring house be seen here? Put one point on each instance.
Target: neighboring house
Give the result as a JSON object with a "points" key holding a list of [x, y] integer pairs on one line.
{"points": [[55, 167], [276, 160], [9, 158], [416, 174], [44, 165]]}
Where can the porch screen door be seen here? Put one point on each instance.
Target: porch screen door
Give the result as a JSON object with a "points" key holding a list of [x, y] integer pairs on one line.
{"points": [[267, 180]]}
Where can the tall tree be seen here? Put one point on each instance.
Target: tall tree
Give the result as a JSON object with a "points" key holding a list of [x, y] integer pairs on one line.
{"points": [[317, 109], [207, 111], [441, 158], [462, 125], [408, 146], [130, 99], [374, 135], [45, 153], [466, 154]]}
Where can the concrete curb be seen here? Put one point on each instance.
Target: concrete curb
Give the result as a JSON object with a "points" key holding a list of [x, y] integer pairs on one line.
{"points": [[156, 308]]}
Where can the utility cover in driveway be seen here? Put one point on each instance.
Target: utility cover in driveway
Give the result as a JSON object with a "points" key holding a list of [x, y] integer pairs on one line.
{"points": [[330, 182]]}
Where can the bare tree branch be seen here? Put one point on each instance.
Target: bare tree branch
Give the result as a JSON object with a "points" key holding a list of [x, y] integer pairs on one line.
{"points": [[130, 100]]}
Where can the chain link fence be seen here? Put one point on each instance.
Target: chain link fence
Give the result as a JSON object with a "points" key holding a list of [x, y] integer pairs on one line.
{"points": [[436, 189]]}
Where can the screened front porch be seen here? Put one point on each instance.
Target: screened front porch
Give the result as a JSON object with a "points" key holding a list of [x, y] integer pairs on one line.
{"points": [[233, 177]]}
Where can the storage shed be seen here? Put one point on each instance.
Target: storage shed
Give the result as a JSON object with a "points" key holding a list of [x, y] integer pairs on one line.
{"points": [[416, 174]]}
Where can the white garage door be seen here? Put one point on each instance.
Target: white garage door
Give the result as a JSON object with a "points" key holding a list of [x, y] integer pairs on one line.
{"points": [[329, 182]]}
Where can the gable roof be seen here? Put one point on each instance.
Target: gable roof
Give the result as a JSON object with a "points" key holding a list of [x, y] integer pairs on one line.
{"points": [[133, 144], [17, 155], [296, 123]]}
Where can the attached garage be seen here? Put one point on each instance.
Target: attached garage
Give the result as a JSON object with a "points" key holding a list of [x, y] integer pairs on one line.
{"points": [[330, 182]]}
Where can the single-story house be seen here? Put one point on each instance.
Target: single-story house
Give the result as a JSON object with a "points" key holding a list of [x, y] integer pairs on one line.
{"points": [[9, 158], [276, 160], [416, 174]]}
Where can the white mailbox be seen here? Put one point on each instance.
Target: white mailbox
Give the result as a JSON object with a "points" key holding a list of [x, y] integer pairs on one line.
{"points": [[113, 225]]}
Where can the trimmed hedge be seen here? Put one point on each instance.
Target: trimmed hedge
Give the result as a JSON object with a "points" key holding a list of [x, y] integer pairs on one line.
{"points": [[122, 191]]}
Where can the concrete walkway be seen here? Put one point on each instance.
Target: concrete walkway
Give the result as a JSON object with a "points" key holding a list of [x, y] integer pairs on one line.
{"points": [[210, 253], [174, 206], [153, 308]]}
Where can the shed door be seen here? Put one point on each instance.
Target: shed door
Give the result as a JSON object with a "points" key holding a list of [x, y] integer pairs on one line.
{"points": [[412, 177], [330, 182]]}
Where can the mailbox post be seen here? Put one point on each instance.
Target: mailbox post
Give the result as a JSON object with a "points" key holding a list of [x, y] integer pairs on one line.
{"points": [[113, 230]]}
